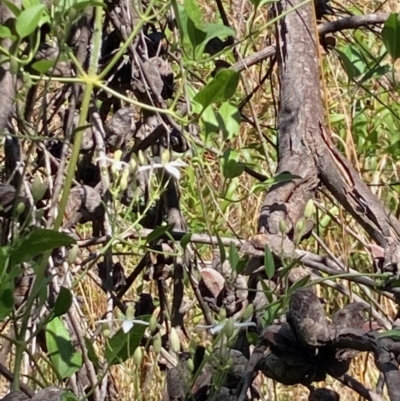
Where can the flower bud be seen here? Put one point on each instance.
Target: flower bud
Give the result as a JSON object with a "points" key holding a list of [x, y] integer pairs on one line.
{"points": [[20, 208], [300, 226], [248, 312], [14, 66], [229, 327], [309, 209], [157, 343], [174, 340], [282, 226], [222, 314], [142, 158], [39, 188], [106, 330], [153, 323], [138, 356], [130, 312], [190, 364]]}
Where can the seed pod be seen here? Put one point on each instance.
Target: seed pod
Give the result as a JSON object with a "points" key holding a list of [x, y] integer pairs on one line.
{"points": [[138, 356], [20, 208], [222, 314], [142, 158], [175, 342], [14, 66], [153, 323], [309, 209], [157, 344], [229, 327], [39, 188], [133, 163], [248, 312], [282, 226], [130, 312], [229, 362], [73, 254], [190, 364], [123, 180], [27, 80], [106, 330], [300, 226]]}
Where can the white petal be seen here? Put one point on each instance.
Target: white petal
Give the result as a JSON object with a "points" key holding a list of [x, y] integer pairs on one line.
{"points": [[150, 167], [127, 325], [140, 322], [245, 324], [217, 328], [173, 171], [204, 326], [108, 321], [178, 163]]}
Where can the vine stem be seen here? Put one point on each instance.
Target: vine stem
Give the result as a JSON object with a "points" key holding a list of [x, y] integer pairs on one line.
{"points": [[89, 80]]}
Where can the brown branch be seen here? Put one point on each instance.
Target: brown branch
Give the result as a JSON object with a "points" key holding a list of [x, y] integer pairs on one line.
{"points": [[353, 22]]}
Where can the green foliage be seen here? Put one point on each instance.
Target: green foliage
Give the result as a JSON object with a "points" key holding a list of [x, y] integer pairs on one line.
{"points": [[63, 302], [194, 33], [122, 346], [269, 264], [391, 36], [29, 20], [65, 359], [36, 243], [220, 89]]}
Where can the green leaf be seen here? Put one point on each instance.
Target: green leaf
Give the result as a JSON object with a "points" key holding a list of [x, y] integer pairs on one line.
{"points": [[231, 167], [299, 284], [37, 242], [123, 345], [5, 32], [395, 333], [61, 351], [6, 298], [193, 11], [12, 7], [63, 302], [229, 120], [353, 61], [158, 232], [252, 338], [68, 396], [186, 239], [269, 263], [233, 256], [391, 36], [92, 354], [30, 3], [220, 89], [242, 263], [43, 66], [221, 248], [196, 37], [29, 20]]}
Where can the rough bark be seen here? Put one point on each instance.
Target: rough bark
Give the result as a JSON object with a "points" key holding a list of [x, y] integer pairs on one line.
{"points": [[305, 147]]}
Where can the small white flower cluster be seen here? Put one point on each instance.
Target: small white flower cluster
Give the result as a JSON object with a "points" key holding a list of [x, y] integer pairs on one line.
{"points": [[171, 167]]}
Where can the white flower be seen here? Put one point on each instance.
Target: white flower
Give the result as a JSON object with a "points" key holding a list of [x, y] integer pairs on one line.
{"points": [[170, 167], [127, 324], [216, 328], [117, 165]]}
